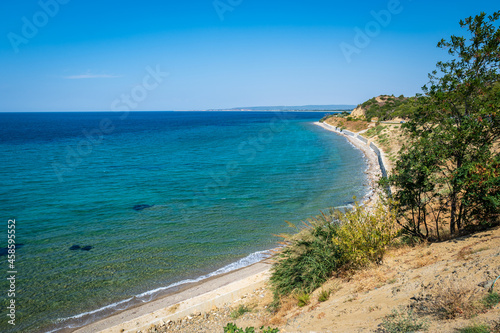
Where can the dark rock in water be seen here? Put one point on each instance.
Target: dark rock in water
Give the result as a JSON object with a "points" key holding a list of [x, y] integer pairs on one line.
{"points": [[141, 207], [5, 250], [83, 248]]}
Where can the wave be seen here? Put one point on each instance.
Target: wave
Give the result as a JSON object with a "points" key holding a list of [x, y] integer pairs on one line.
{"points": [[86, 318]]}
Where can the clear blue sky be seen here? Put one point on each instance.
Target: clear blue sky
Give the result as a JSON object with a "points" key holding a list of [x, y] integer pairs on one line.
{"points": [[89, 55]]}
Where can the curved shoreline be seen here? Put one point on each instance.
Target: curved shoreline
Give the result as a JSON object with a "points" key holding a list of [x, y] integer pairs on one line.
{"points": [[194, 299], [375, 162], [179, 291], [218, 290]]}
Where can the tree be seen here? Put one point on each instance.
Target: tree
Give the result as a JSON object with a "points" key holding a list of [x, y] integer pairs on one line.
{"points": [[456, 122]]}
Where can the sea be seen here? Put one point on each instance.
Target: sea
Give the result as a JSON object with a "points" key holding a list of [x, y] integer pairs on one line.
{"points": [[108, 210]]}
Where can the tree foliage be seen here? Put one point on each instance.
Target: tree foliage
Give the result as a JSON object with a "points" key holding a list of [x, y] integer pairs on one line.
{"points": [[388, 107], [448, 172]]}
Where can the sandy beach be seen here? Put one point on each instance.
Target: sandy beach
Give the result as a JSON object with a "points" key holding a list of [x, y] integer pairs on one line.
{"points": [[223, 290], [372, 171], [193, 300]]}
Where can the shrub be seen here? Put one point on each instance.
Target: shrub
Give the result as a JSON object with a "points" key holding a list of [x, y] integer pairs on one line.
{"points": [[402, 321], [491, 300], [325, 118], [232, 328], [475, 328], [240, 311], [329, 242], [309, 258], [324, 295], [303, 299], [452, 302], [364, 234]]}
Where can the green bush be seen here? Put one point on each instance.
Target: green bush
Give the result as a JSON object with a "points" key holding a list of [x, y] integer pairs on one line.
{"points": [[309, 259], [303, 299], [364, 234], [324, 295], [389, 108], [325, 118], [475, 328], [240, 311], [491, 300], [232, 328], [329, 242]]}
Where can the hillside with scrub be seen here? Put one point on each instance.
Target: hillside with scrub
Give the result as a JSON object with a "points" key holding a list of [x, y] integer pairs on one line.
{"points": [[424, 257]]}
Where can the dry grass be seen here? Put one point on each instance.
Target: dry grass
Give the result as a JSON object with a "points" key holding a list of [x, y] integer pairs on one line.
{"points": [[425, 259], [465, 253], [403, 249], [371, 278], [452, 302], [278, 318]]}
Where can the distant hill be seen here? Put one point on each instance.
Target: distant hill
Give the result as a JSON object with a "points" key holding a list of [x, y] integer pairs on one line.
{"points": [[340, 107]]}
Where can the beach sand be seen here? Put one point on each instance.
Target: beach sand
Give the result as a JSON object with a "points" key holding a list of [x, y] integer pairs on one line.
{"points": [[372, 171], [195, 299], [217, 291]]}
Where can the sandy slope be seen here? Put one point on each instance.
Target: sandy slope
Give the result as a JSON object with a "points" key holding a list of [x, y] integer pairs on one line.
{"points": [[409, 278]]}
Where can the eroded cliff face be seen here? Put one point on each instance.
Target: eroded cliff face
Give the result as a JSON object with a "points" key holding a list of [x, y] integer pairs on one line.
{"points": [[358, 112]]}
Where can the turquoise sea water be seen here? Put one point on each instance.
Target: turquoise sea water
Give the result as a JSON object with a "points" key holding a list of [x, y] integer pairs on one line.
{"points": [[219, 184]]}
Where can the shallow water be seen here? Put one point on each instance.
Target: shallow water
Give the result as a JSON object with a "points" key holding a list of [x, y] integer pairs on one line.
{"points": [[219, 184]]}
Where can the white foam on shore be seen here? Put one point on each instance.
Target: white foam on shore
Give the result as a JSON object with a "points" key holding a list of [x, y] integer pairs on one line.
{"points": [[149, 295], [364, 148]]}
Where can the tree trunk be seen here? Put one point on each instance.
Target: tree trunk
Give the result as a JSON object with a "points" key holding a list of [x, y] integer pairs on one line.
{"points": [[452, 212]]}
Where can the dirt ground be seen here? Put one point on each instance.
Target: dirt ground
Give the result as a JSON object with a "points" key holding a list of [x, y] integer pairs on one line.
{"points": [[422, 280]]}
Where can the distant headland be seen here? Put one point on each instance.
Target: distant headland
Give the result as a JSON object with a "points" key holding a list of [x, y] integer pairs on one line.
{"points": [[339, 107]]}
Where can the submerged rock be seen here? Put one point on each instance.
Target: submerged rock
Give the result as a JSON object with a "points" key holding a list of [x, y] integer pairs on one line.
{"points": [[141, 207], [83, 248], [5, 250]]}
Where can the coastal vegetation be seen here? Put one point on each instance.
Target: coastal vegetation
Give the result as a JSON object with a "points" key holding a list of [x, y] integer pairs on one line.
{"points": [[388, 107], [445, 182], [448, 174], [232, 328], [332, 243]]}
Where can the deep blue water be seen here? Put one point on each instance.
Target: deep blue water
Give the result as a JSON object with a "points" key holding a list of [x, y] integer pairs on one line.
{"points": [[220, 185]]}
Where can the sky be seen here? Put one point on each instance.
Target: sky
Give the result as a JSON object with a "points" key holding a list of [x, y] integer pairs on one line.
{"points": [[75, 55]]}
